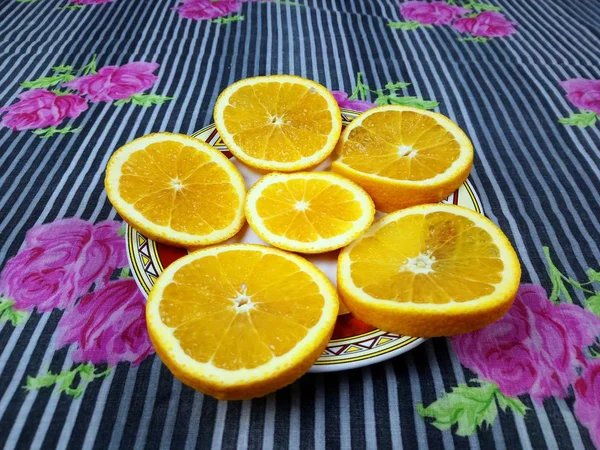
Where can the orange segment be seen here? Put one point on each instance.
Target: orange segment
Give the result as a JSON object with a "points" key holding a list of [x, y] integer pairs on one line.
{"points": [[176, 189], [240, 321], [309, 212], [280, 122], [404, 156], [430, 270]]}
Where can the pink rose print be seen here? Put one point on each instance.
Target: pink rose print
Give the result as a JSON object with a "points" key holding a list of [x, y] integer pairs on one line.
{"points": [[40, 108], [207, 9], [40, 277], [487, 24], [104, 253], [587, 401], [90, 2], [584, 94], [60, 262], [115, 83], [434, 13], [536, 348], [357, 105], [108, 325]]}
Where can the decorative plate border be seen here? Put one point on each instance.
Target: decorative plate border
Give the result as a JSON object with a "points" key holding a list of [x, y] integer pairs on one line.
{"points": [[343, 353]]}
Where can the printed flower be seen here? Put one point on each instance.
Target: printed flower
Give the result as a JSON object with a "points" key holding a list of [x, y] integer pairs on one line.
{"points": [[60, 262], [535, 348], [90, 2], [434, 13], [357, 105], [41, 277], [115, 83], [487, 24], [108, 325], [104, 253], [207, 9], [584, 94], [40, 108], [587, 401]]}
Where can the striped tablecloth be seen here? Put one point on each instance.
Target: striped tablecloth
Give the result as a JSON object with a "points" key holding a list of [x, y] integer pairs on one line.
{"points": [[79, 78]]}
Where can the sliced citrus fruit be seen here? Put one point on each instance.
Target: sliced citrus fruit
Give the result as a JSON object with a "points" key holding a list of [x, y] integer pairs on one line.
{"points": [[176, 189], [308, 212], [280, 122], [429, 270], [404, 156], [240, 321]]}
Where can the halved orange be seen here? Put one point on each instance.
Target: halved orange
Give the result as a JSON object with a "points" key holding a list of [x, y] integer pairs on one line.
{"points": [[176, 189], [279, 122], [308, 212], [240, 321], [404, 156], [429, 270]]}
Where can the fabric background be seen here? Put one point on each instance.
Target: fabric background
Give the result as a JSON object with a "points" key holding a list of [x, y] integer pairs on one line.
{"points": [[537, 179]]}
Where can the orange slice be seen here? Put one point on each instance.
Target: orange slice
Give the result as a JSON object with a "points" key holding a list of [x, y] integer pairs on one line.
{"points": [[176, 189], [429, 270], [280, 122], [308, 212], [404, 156], [240, 321]]}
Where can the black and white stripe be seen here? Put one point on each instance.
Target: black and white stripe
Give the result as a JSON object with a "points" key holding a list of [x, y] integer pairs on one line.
{"points": [[536, 178]]}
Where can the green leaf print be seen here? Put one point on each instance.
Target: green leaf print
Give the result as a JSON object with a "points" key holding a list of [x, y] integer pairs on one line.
{"points": [[90, 68], [478, 39], [513, 403], [144, 100], [582, 119], [45, 82], [593, 275], [9, 314], [388, 95], [67, 380], [558, 281], [592, 303], [469, 407], [480, 7], [71, 7], [393, 87], [407, 26], [45, 133], [283, 2], [361, 90], [415, 102], [62, 69], [226, 20]]}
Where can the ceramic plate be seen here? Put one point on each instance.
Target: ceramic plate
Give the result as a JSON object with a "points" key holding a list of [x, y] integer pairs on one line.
{"points": [[354, 343]]}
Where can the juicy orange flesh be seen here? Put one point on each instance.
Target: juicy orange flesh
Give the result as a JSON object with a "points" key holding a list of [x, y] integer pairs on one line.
{"points": [[433, 258], [174, 185], [239, 309], [282, 122], [308, 210], [401, 146]]}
